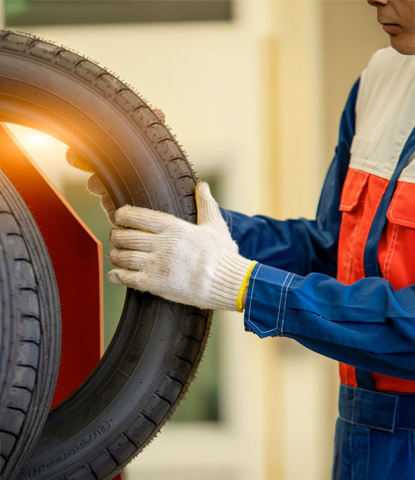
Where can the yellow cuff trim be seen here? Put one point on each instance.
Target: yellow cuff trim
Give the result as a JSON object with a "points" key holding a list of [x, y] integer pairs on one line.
{"points": [[245, 283]]}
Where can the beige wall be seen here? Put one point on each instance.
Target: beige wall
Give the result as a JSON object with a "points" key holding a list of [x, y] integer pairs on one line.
{"points": [[322, 46], [351, 35]]}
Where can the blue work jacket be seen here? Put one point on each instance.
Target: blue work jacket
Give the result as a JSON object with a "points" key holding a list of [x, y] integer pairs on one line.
{"points": [[294, 289]]}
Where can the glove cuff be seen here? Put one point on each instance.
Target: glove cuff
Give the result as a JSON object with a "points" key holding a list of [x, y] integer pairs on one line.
{"points": [[233, 274]]}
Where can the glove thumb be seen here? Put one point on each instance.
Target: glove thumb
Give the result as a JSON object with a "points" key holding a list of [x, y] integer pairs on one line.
{"points": [[207, 208]]}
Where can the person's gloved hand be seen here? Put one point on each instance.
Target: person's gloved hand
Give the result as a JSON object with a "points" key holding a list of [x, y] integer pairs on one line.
{"points": [[93, 184], [193, 264]]}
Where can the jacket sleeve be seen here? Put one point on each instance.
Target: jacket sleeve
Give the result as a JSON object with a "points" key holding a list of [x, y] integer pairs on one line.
{"points": [[367, 324], [302, 246]]}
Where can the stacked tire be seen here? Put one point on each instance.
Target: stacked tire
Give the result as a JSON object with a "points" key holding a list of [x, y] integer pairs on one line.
{"points": [[153, 357], [30, 331]]}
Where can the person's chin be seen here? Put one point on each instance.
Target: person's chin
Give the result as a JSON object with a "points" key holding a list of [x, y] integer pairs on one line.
{"points": [[402, 46]]}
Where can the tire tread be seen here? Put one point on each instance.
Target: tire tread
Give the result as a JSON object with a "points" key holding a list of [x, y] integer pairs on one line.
{"points": [[187, 351]]}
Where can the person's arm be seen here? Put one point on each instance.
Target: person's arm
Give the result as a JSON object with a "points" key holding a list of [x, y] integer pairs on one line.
{"points": [[367, 324]]}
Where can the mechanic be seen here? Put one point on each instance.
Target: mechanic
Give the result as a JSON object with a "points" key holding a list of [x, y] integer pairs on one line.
{"points": [[341, 285]]}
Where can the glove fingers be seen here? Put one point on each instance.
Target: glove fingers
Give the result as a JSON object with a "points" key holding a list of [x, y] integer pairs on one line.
{"points": [[95, 186], [74, 159], [127, 238], [131, 259], [108, 206], [127, 278], [144, 219]]}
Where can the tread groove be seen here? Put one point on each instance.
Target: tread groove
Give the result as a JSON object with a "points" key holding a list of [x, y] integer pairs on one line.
{"points": [[172, 377], [112, 456], [164, 398], [149, 419]]}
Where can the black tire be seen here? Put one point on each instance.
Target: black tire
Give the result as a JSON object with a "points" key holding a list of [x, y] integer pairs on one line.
{"points": [[158, 344], [30, 324]]}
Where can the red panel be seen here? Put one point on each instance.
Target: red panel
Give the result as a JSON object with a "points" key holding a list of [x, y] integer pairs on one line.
{"points": [[77, 260]]}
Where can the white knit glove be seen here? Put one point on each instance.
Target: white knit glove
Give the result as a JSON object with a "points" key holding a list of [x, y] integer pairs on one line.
{"points": [[93, 184], [96, 187], [193, 264]]}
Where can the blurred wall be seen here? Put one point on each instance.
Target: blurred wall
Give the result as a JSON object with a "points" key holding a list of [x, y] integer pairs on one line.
{"points": [[351, 34], [257, 103]]}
